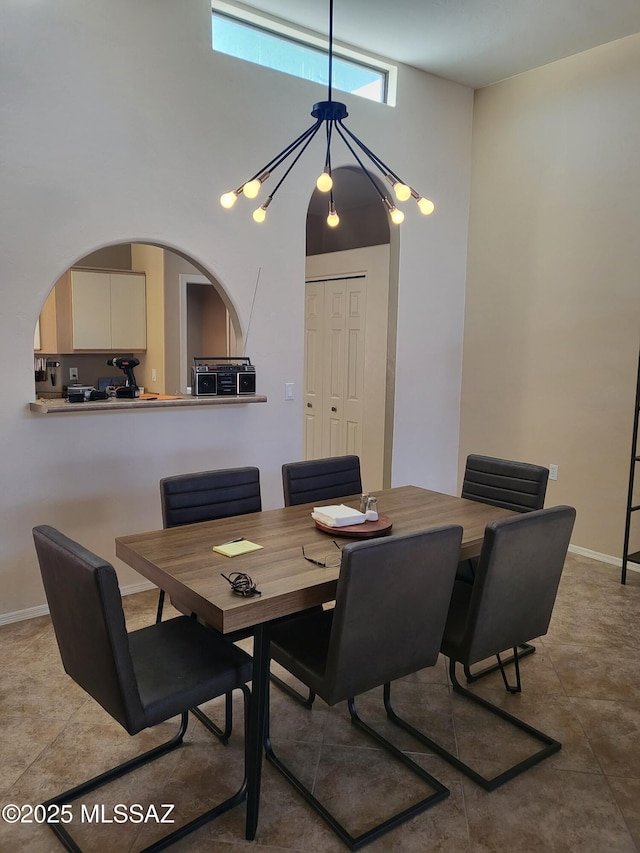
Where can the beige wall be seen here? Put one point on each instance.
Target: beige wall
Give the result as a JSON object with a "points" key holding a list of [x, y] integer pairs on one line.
{"points": [[553, 292]]}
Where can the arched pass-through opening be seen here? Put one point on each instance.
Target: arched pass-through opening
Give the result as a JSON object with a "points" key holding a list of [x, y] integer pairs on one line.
{"points": [[132, 298]]}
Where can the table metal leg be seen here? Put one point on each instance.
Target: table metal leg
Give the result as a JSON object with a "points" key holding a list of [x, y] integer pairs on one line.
{"points": [[257, 723]]}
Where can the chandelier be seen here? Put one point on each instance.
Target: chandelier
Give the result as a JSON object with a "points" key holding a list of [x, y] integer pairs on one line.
{"points": [[329, 114]]}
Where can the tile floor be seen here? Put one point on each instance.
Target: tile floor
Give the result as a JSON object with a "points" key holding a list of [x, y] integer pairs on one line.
{"points": [[582, 686]]}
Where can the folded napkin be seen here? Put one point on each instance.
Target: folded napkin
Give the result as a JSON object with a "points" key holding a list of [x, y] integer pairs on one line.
{"points": [[338, 516]]}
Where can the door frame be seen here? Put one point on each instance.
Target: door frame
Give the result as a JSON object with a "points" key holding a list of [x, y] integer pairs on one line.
{"points": [[233, 337]]}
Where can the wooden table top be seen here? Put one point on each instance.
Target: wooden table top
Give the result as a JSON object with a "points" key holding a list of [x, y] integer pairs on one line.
{"points": [[181, 561]]}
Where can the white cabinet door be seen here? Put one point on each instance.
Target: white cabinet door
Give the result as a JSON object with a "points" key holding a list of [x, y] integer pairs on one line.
{"points": [[91, 309], [128, 312], [108, 311]]}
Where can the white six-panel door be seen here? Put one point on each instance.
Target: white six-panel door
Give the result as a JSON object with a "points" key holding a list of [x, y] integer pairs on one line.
{"points": [[345, 371], [334, 366]]}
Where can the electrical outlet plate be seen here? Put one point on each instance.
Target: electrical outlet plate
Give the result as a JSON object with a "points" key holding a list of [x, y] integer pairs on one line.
{"points": [[288, 390], [73, 374], [553, 472]]}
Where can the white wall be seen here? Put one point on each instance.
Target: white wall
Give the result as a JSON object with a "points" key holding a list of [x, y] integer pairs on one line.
{"points": [[119, 124]]}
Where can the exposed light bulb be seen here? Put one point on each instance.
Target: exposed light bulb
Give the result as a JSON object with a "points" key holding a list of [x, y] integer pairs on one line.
{"points": [[426, 206], [402, 191], [251, 188], [397, 216], [227, 200], [259, 214], [324, 182], [332, 218]]}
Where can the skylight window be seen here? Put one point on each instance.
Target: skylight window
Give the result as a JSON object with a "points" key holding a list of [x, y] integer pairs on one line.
{"points": [[262, 41]]}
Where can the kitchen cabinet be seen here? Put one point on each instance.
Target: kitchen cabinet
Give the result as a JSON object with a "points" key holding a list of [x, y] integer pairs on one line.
{"points": [[108, 311], [46, 338], [95, 311]]}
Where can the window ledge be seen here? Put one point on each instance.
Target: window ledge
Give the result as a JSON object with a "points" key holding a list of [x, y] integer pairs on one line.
{"points": [[61, 406]]}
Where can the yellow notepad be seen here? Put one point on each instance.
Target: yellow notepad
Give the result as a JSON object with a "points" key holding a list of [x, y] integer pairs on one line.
{"points": [[233, 549]]}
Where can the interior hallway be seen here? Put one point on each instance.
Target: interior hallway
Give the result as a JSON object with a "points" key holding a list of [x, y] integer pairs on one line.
{"points": [[582, 686]]}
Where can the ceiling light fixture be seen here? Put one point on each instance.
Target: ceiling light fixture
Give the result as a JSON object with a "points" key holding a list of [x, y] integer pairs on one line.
{"points": [[329, 113]]}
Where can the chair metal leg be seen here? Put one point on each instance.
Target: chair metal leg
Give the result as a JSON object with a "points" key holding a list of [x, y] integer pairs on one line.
{"points": [[523, 650], [511, 688], [223, 735], [122, 769], [550, 747], [160, 606], [439, 794], [307, 701]]}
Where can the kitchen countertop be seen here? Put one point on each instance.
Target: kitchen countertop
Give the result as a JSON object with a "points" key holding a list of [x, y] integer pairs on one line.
{"points": [[60, 405]]}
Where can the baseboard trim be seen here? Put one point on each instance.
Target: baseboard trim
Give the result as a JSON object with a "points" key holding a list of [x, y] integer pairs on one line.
{"points": [[43, 610], [603, 558]]}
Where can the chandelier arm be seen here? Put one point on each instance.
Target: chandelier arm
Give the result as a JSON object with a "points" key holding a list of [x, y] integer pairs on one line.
{"points": [[311, 133], [306, 137], [282, 155], [340, 127], [382, 166]]}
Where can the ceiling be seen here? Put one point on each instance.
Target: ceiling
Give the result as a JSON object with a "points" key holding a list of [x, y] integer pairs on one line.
{"points": [[474, 42]]}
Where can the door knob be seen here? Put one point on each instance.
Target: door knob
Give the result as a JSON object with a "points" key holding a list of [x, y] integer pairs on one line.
{"points": [[309, 406], [333, 409]]}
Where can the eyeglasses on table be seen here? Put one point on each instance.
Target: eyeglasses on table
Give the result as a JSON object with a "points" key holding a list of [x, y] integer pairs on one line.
{"points": [[330, 561]]}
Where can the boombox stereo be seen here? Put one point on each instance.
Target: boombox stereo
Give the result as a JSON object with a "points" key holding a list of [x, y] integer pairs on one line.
{"points": [[221, 376]]}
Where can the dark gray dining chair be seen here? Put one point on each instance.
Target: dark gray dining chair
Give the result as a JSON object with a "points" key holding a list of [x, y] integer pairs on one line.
{"points": [[318, 480], [206, 496], [141, 678], [391, 605], [519, 486], [503, 609], [321, 479]]}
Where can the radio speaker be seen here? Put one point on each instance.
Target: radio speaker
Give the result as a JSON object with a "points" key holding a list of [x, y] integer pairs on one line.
{"points": [[206, 384], [246, 383]]}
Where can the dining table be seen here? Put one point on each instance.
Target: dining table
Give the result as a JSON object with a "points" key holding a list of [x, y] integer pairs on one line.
{"points": [[181, 561]]}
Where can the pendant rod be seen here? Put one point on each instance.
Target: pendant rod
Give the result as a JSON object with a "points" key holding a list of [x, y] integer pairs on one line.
{"points": [[330, 49]]}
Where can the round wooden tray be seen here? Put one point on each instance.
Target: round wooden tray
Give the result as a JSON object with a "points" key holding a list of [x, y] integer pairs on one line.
{"points": [[366, 530]]}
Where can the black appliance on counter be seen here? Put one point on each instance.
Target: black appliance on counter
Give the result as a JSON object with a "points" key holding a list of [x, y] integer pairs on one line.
{"points": [[85, 393], [126, 364], [222, 376]]}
